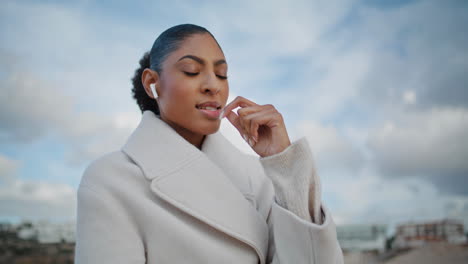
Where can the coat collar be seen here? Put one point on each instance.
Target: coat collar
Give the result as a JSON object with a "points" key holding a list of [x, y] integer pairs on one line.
{"points": [[197, 182]]}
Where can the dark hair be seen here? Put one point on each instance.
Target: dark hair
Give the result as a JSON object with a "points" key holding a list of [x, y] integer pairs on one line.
{"points": [[168, 42]]}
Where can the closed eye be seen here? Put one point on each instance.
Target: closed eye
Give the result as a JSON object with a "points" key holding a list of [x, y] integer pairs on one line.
{"points": [[196, 73], [191, 73]]}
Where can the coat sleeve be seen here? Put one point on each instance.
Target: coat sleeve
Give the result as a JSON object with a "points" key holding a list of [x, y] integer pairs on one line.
{"points": [[104, 230], [293, 237]]}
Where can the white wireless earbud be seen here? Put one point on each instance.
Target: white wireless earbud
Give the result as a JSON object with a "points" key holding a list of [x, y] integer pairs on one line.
{"points": [[153, 90]]}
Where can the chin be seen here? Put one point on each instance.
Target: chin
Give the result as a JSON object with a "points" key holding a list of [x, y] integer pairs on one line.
{"points": [[210, 128]]}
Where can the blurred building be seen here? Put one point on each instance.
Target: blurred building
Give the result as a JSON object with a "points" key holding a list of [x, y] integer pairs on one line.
{"points": [[55, 232], [47, 232], [418, 234], [19, 243], [362, 237]]}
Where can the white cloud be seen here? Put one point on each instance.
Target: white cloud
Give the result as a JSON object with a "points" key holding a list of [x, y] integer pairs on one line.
{"points": [[92, 135], [8, 168], [339, 84], [409, 97], [424, 143], [420, 51], [366, 198], [33, 108], [332, 150], [30, 107], [32, 199]]}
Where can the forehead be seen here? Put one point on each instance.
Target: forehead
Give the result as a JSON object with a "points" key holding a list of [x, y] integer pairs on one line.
{"points": [[200, 45]]}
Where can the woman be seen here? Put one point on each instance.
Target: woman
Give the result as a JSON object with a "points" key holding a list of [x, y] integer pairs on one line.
{"points": [[179, 192]]}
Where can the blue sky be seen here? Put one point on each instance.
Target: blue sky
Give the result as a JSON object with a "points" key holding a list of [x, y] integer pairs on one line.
{"points": [[378, 89]]}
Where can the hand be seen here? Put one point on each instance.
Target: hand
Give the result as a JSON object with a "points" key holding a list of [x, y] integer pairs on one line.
{"points": [[262, 126]]}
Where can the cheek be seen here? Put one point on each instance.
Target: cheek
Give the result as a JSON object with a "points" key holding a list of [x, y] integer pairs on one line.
{"points": [[177, 96]]}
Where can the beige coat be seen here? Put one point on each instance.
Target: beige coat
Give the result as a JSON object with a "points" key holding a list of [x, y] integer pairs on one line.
{"points": [[161, 200]]}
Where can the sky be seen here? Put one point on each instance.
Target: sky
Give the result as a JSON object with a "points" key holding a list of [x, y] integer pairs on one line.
{"points": [[379, 89]]}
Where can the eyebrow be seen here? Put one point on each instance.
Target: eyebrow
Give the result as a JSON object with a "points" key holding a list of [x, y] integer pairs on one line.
{"points": [[201, 61]]}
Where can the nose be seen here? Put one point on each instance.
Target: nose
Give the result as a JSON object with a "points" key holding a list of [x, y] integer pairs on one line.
{"points": [[210, 85]]}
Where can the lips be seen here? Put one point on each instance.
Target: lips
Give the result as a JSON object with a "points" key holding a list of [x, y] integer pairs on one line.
{"points": [[211, 106], [211, 110]]}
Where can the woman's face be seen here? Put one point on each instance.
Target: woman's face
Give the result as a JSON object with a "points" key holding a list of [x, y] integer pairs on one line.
{"points": [[193, 87]]}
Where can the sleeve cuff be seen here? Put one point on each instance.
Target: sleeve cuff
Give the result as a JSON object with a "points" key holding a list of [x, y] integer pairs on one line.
{"points": [[298, 151], [305, 242], [296, 184]]}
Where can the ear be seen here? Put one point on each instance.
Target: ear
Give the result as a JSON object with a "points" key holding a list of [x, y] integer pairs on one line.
{"points": [[147, 78]]}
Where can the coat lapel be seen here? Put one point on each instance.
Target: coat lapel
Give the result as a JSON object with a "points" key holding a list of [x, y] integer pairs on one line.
{"points": [[188, 178]]}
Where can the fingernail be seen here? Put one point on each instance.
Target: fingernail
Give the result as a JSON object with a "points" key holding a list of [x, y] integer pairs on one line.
{"points": [[245, 138], [223, 113], [221, 116], [251, 143]]}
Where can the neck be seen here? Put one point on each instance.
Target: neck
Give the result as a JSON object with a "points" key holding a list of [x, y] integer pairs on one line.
{"points": [[191, 137], [194, 139]]}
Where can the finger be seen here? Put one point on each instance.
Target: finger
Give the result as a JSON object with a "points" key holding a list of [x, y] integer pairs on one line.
{"points": [[247, 114], [244, 119], [254, 125], [235, 121], [260, 118], [249, 110], [239, 101]]}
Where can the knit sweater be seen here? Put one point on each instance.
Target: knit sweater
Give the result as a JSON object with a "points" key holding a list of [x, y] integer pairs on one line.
{"points": [[294, 178]]}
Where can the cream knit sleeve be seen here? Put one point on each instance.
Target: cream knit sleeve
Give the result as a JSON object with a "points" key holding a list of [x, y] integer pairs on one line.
{"points": [[294, 178]]}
